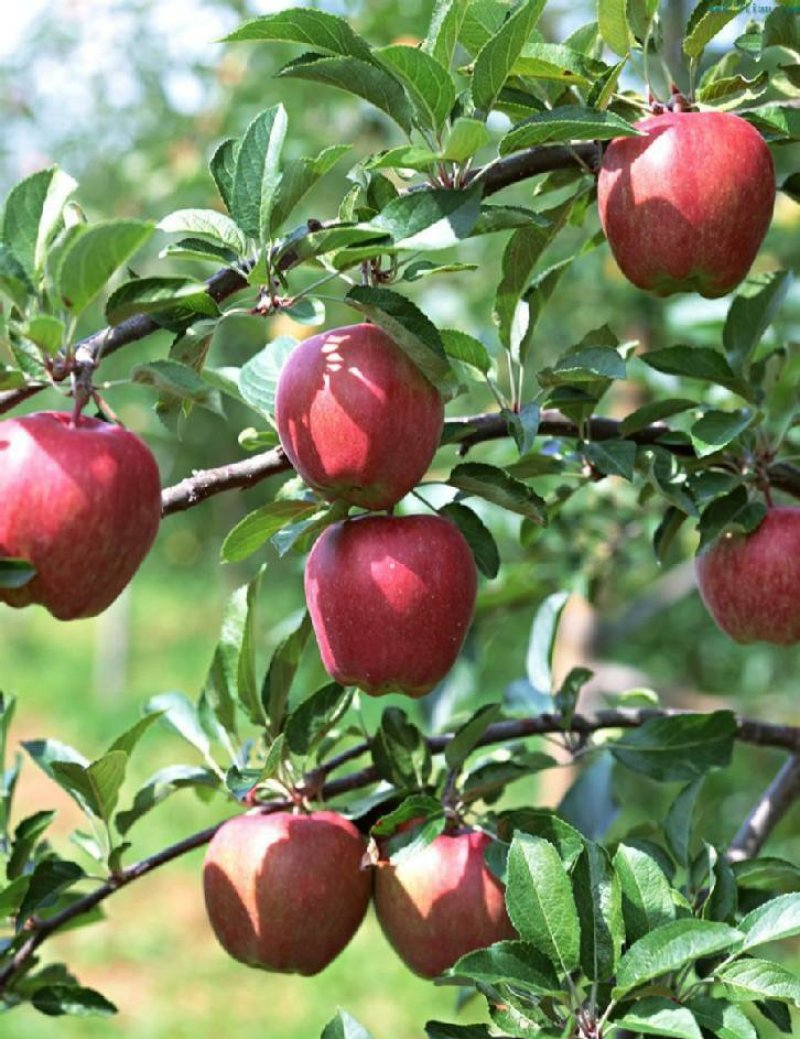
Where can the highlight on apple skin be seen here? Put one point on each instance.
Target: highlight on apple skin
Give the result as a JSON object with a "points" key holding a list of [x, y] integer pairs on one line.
{"points": [[357, 419], [686, 207], [441, 903], [286, 892], [391, 600], [81, 503], [750, 583]]}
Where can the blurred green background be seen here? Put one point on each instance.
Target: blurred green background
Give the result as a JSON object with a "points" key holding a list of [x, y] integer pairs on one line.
{"points": [[131, 97]]}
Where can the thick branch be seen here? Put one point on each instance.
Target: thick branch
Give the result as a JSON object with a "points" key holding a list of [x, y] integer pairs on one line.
{"points": [[204, 483], [782, 793], [767, 812]]}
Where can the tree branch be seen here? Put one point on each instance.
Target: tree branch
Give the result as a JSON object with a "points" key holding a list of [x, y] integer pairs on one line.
{"points": [[205, 483], [776, 801], [767, 812]]}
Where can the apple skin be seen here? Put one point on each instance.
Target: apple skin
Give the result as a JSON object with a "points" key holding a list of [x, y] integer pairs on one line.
{"points": [[81, 503], [356, 418], [686, 208], [749, 583], [441, 903], [391, 599], [286, 892]]}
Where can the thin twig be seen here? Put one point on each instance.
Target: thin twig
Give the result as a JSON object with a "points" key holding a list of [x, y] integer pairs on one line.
{"points": [[767, 812]]}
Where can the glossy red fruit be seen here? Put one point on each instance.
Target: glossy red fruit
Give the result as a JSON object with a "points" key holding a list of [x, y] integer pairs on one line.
{"points": [[441, 903], [749, 583], [286, 892], [391, 599], [81, 502], [356, 418], [686, 207]]}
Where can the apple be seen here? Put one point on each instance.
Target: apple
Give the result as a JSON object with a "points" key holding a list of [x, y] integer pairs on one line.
{"points": [[390, 600], [286, 892], [356, 418], [749, 582], [81, 502], [686, 207], [441, 903]]}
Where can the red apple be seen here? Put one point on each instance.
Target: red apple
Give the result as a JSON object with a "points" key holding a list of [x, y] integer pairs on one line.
{"points": [[749, 583], [357, 419], [441, 903], [81, 502], [286, 892], [391, 599], [686, 207]]}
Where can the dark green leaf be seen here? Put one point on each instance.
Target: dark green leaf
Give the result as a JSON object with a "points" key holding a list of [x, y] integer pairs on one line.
{"points": [[316, 29], [567, 123], [250, 533], [97, 787], [309, 722], [55, 1000], [418, 806], [515, 963], [343, 1026], [222, 168], [707, 19], [478, 537], [466, 738], [771, 922], [92, 257], [696, 362], [445, 26], [752, 311], [32, 216], [723, 1019], [16, 573], [678, 825], [495, 485], [160, 785], [612, 457], [280, 675], [299, 176], [400, 751], [669, 948], [598, 898], [50, 878], [435, 219], [489, 780], [466, 348], [678, 748], [654, 412], [531, 305], [257, 173], [732, 512], [657, 1015], [542, 641], [207, 223], [590, 804], [751, 979], [540, 901], [175, 380], [543, 822], [258, 378], [414, 333], [26, 837], [767, 874], [497, 56], [646, 894], [716, 429], [128, 740], [152, 295], [444, 1030], [428, 83], [406, 843]]}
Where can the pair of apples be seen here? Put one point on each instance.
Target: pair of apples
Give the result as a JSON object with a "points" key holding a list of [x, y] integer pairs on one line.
{"points": [[287, 892]]}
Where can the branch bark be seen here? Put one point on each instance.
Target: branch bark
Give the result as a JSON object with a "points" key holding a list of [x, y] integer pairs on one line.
{"points": [[770, 808]]}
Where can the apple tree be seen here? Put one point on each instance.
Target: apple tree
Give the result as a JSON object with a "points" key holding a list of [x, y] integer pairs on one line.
{"points": [[404, 465]]}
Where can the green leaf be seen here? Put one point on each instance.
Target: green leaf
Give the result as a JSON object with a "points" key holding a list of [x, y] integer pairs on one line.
{"points": [[678, 748], [280, 675], [445, 26], [521, 254], [467, 737], [731, 91], [416, 806], [32, 217], [612, 21], [512, 963], [258, 526], [530, 307], [175, 380], [430, 220], [207, 223], [258, 378], [405, 844], [428, 84], [299, 176], [257, 173], [678, 825], [559, 63], [26, 836], [46, 331], [696, 362], [655, 412], [467, 137], [612, 457], [343, 1026], [767, 874], [49, 879], [584, 364], [445, 1030], [540, 901], [566, 123], [460, 346], [542, 640], [129, 739], [669, 948], [598, 898], [772, 922], [753, 310], [56, 1000], [716, 429], [723, 1019], [309, 722], [477, 535], [545, 823], [160, 786], [181, 296], [93, 255], [16, 573], [657, 1015], [488, 781], [222, 168], [496, 58], [495, 485], [316, 29], [731, 512], [412, 331], [358, 77], [13, 279], [646, 894], [752, 979], [178, 711], [523, 425], [97, 787], [707, 19], [400, 751]]}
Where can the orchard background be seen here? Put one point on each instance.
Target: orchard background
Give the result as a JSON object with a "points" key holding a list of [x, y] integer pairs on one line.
{"points": [[132, 100]]}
